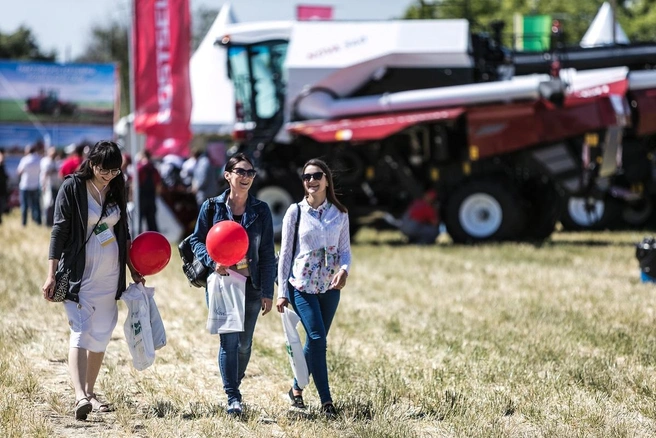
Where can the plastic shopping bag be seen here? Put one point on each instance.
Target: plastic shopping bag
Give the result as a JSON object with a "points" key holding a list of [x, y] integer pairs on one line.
{"points": [[156, 323], [227, 301], [294, 347], [137, 328]]}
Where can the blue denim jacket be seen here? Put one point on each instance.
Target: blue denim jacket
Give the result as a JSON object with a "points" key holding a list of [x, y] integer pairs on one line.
{"points": [[259, 227]]}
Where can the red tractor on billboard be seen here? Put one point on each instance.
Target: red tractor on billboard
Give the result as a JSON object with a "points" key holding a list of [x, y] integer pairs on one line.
{"points": [[47, 102]]}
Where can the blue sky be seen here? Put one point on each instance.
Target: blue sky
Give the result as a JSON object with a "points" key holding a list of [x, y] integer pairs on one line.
{"points": [[65, 25]]}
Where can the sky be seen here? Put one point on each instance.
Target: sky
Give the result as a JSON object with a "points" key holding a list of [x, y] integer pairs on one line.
{"points": [[65, 25]]}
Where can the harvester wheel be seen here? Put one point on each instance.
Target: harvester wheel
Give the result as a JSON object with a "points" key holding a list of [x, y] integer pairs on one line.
{"points": [[581, 214], [279, 199], [544, 210], [485, 211], [637, 214]]}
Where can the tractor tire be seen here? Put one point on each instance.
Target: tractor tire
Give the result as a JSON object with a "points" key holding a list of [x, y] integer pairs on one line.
{"points": [[544, 210], [600, 214], [482, 211], [638, 214], [279, 199]]}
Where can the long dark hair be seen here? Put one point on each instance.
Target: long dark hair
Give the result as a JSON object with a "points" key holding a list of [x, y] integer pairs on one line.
{"points": [[330, 190], [107, 155]]}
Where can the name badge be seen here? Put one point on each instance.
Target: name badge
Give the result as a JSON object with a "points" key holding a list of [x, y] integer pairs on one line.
{"points": [[104, 234], [242, 264]]}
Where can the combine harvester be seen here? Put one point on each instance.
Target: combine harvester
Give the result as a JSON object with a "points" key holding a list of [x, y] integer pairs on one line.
{"points": [[397, 113]]}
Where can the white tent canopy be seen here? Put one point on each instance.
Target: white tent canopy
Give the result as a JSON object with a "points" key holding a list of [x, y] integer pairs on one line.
{"points": [[600, 31], [213, 108]]}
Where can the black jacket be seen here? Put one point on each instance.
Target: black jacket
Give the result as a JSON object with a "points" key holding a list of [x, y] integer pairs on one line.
{"points": [[69, 232], [3, 181]]}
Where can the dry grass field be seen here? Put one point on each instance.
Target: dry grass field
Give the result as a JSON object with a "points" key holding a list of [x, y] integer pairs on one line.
{"points": [[505, 340]]}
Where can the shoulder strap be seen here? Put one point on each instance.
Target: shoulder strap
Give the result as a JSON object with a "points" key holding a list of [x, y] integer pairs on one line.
{"points": [[211, 208], [298, 220]]}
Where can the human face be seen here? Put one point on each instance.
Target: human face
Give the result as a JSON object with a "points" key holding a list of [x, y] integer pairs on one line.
{"points": [[314, 180], [104, 176], [241, 176]]}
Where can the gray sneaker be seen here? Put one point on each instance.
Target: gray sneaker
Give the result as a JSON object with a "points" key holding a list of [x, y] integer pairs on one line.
{"points": [[234, 408]]}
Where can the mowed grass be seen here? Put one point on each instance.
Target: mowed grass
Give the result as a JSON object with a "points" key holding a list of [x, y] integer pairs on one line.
{"points": [[507, 340]]}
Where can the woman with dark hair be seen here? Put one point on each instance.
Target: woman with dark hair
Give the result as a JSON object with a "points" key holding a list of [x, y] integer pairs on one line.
{"points": [[312, 276], [258, 266], [90, 240]]}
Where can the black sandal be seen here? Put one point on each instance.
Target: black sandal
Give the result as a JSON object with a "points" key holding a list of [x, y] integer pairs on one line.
{"points": [[82, 408], [297, 400]]}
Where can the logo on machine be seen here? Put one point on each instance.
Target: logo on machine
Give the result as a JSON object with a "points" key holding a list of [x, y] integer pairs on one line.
{"points": [[335, 48], [593, 92], [163, 59]]}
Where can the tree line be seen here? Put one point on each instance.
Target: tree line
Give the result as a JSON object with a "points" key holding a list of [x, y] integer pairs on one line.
{"points": [[637, 17]]}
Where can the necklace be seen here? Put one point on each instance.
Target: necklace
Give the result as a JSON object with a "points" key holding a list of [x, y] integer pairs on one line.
{"points": [[100, 199]]}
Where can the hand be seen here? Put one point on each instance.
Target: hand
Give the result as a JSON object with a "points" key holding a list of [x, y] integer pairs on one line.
{"points": [[281, 304], [221, 270], [48, 288], [267, 303], [339, 280], [138, 278]]}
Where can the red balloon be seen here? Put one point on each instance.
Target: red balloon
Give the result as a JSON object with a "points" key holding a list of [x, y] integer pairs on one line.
{"points": [[150, 252], [227, 242]]}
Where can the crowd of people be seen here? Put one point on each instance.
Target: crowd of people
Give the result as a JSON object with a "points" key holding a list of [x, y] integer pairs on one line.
{"points": [[91, 234], [181, 183]]}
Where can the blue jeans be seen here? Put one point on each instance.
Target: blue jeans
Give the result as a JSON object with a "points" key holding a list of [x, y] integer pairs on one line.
{"points": [[235, 348], [316, 312], [30, 199]]}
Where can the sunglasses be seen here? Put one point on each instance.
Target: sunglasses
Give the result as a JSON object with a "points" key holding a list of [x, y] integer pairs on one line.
{"points": [[250, 173], [105, 172], [317, 176]]}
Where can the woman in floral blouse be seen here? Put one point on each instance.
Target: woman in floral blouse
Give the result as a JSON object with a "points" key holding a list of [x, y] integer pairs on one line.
{"points": [[317, 271]]}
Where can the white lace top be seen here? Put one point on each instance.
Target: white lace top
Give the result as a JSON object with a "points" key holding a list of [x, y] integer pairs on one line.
{"points": [[322, 249]]}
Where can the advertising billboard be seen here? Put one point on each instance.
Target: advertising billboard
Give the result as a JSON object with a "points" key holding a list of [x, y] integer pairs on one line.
{"points": [[59, 104]]}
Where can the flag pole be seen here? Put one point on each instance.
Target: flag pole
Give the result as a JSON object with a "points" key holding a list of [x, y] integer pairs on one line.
{"points": [[134, 147]]}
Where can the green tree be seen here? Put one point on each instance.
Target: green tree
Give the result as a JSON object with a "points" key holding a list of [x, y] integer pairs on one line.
{"points": [[23, 45], [637, 17], [202, 20], [109, 43]]}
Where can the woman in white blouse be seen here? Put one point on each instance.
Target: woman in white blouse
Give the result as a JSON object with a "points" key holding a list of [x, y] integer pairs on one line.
{"points": [[312, 273]]}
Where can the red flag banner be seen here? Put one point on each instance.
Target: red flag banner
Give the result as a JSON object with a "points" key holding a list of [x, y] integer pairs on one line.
{"points": [[311, 12], [161, 35]]}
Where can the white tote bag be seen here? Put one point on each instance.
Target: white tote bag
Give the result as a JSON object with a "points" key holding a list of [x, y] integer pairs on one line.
{"points": [[294, 347], [156, 323], [227, 302], [137, 329]]}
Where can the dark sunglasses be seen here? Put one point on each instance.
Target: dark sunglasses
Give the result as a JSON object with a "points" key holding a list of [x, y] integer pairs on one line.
{"points": [[250, 173], [316, 176]]}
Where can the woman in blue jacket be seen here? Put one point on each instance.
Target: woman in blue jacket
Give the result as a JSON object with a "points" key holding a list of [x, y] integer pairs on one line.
{"points": [[258, 266]]}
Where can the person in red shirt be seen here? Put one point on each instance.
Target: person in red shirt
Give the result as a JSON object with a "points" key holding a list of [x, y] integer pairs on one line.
{"points": [[72, 163], [421, 223]]}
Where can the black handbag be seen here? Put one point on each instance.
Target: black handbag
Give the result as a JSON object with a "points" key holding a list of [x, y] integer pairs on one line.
{"points": [[61, 285], [195, 271]]}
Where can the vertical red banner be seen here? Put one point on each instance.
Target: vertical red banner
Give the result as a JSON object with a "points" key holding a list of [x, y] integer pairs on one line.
{"points": [[312, 12], [161, 35]]}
